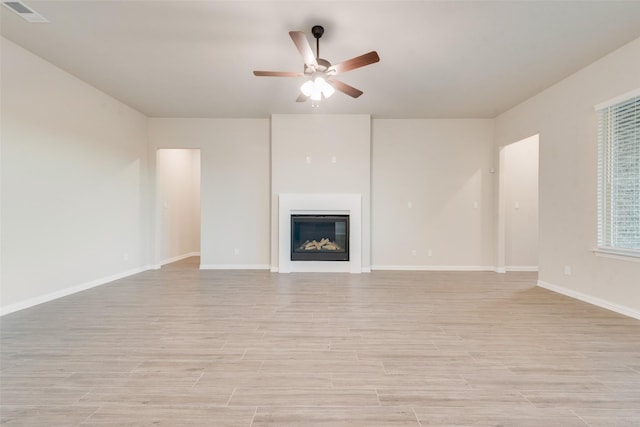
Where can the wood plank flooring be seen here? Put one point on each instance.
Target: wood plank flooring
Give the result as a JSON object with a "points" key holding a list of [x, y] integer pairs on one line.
{"points": [[179, 346]]}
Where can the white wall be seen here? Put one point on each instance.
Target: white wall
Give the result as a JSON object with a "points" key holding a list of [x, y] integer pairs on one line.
{"points": [[178, 203], [74, 183], [321, 138], [564, 117], [442, 166], [443, 169], [234, 185], [519, 189]]}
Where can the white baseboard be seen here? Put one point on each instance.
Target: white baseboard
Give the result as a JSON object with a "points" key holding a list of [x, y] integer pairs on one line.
{"points": [[31, 302], [179, 258], [531, 268], [433, 268], [235, 267], [453, 268], [621, 309]]}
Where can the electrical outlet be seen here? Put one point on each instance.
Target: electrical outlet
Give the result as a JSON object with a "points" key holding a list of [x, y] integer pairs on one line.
{"points": [[125, 256], [410, 205], [414, 252], [567, 270], [429, 252], [236, 251]]}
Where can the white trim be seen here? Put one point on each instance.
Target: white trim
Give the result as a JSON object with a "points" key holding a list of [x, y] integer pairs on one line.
{"points": [[532, 268], [621, 254], [31, 302], [274, 269], [179, 258], [618, 99], [432, 268], [621, 309], [235, 267]]}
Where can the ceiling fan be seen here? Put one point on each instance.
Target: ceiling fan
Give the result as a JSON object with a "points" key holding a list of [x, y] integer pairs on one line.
{"points": [[322, 83]]}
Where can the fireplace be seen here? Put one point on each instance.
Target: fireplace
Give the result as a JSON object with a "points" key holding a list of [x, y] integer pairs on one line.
{"points": [[319, 237], [319, 205]]}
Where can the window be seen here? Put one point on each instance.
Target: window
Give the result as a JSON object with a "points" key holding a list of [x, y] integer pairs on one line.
{"points": [[619, 176]]}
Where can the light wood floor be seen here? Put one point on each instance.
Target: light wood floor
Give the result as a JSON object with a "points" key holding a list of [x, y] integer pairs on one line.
{"points": [[179, 346]]}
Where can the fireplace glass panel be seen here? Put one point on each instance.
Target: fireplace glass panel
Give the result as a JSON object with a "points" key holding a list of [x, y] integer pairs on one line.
{"points": [[319, 237]]}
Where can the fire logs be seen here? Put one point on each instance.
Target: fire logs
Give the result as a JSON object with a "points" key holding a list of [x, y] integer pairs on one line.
{"points": [[323, 245]]}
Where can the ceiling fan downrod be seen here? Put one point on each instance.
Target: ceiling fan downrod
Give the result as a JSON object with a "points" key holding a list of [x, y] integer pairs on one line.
{"points": [[317, 31]]}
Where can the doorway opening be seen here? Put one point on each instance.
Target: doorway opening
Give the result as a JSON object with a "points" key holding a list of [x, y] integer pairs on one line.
{"points": [[518, 207], [178, 206]]}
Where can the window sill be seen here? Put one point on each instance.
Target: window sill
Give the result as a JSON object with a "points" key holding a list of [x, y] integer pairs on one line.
{"points": [[622, 254]]}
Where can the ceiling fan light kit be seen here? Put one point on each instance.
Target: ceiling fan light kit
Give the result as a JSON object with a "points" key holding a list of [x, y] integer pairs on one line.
{"points": [[317, 88], [321, 83]]}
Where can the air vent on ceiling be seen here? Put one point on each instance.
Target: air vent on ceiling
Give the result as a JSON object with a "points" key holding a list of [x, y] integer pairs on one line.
{"points": [[24, 11]]}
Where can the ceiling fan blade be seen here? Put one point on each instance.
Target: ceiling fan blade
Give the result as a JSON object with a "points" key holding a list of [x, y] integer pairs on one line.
{"points": [[277, 74], [353, 63], [301, 42], [345, 88], [302, 98]]}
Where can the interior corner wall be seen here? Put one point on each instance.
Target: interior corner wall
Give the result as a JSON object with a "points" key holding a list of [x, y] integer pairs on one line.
{"points": [[74, 183], [322, 154], [432, 194], [235, 177], [565, 119], [178, 203]]}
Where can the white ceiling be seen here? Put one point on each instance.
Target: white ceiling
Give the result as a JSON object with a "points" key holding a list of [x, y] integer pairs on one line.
{"points": [[439, 59]]}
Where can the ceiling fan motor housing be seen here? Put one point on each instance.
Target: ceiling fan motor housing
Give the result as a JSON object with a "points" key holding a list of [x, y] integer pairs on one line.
{"points": [[323, 65]]}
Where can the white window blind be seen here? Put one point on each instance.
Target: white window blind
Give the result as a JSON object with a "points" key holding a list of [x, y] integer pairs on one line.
{"points": [[619, 176]]}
